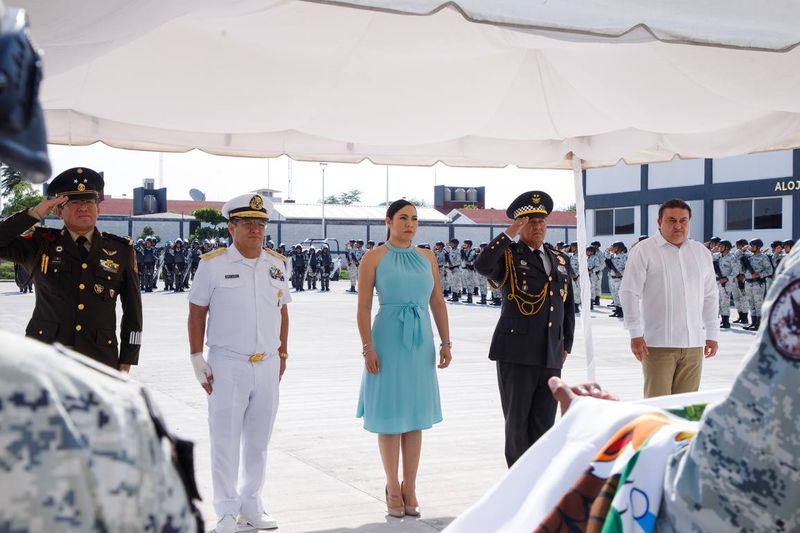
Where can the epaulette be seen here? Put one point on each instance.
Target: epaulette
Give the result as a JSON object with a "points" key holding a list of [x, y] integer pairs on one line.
{"points": [[123, 240], [561, 257], [276, 254], [213, 254]]}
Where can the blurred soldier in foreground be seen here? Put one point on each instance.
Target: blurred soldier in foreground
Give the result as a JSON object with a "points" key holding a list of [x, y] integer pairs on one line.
{"points": [[82, 448], [79, 272]]}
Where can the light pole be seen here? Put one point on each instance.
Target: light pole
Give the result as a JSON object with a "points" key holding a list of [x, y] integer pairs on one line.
{"points": [[324, 232]]}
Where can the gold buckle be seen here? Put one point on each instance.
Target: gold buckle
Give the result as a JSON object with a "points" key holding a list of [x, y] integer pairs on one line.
{"points": [[256, 357]]}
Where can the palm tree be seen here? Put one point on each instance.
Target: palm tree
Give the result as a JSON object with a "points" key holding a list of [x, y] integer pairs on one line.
{"points": [[9, 179]]}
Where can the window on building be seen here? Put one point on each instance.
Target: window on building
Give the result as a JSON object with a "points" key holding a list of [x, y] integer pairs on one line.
{"points": [[614, 221], [623, 221], [604, 222], [754, 213]]}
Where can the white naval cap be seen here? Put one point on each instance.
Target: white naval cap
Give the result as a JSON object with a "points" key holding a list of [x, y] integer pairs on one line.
{"points": [[249, 205]]}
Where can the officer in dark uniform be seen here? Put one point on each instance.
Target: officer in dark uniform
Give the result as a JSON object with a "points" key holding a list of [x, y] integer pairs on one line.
{"points": [[168, 269], [79, 272], [537, 320], [194, 258], [179, 270]]}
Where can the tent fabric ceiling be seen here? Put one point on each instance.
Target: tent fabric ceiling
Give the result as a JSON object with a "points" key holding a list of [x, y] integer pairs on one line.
{"points": [[347, 81]]}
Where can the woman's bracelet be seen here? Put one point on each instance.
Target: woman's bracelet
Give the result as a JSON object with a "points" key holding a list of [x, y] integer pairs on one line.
{"points": [[448, 344]]}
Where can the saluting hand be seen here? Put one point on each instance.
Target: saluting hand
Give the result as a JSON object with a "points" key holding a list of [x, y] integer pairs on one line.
{"points": [[44, 207], [516, 227]]}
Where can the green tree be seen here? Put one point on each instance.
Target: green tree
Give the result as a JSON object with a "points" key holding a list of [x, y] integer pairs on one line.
{"points": [[20, 197], [209, 215], [9, 179], [572, 208], [147, 231], [345, 198]]}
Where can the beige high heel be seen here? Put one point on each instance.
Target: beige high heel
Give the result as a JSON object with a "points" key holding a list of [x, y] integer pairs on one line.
{"points": [[396, 512], [409, 510]]}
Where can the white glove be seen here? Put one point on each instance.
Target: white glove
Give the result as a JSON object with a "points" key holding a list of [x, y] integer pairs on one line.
{"points": [[201, 370]]}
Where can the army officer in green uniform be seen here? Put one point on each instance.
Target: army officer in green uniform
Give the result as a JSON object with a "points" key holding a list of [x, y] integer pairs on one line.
{"points": [[537, 320], [78, 272]]}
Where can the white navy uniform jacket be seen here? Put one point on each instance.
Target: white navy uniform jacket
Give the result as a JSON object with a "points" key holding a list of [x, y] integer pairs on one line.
{"points": [[244, 300]]}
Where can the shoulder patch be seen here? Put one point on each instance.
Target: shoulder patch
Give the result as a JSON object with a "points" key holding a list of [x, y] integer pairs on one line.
{"points": [[123, 240], [276, 254], [784, 322], [213, 254]]}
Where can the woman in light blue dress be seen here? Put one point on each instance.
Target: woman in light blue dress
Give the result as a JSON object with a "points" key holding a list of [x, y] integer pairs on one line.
{"points": [[399, 390]]}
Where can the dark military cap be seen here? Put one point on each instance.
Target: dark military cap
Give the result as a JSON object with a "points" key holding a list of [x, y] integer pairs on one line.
{"points": [[773, 244], [715, 239], [468, 241], [574, 243], [359, 241], [726, 243], [559, 244], [481, 245], [454, 241], [642, 237], [373, 243], [618, 244], [788, 242], [531, 204], [590, 249], [596, 244], [741, 241], [77, 184], [440, 242], [757, 242]]}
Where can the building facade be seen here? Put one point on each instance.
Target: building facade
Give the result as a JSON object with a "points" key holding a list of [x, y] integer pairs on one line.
{"points": [[749, 196]]}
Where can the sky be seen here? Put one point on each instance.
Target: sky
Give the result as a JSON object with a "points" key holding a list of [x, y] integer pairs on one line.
{"points": [[221, 178]]}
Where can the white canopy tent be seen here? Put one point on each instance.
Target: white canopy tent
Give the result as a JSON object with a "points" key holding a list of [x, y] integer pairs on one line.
{"points": [[557, 84]]}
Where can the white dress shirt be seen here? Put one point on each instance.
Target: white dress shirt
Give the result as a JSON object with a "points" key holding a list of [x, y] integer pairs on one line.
{"points": [[244, 299], [669, 294]]}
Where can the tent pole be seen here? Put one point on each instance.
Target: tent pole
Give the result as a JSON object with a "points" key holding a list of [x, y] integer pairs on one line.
{"points": [[586, 288]]}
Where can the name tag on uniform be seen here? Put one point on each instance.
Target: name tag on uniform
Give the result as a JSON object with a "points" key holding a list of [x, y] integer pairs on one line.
{"points": [[231, 276]]}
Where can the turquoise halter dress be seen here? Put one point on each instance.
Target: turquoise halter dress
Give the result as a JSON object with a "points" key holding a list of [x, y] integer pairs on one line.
{"points": [[404, 395]]}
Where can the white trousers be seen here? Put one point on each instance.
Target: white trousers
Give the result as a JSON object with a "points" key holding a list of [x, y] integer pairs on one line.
{"points": [[241, 412]]}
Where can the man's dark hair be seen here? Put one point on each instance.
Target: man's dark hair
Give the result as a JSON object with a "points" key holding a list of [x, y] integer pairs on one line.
{"points": [[675, 203]]}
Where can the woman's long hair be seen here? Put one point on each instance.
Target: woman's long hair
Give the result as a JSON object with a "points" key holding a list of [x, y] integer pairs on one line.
{"points": [[396, 206]]}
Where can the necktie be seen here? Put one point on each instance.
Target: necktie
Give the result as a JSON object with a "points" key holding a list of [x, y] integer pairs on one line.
{"points": [[82, 251], [538, 255]]}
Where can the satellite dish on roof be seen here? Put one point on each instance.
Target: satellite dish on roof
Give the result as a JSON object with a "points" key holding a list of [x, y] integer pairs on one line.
{"points": [[197, 195]]}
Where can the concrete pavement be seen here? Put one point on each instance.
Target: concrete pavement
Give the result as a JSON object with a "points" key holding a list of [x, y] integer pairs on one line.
{"points": [[324, 471]]}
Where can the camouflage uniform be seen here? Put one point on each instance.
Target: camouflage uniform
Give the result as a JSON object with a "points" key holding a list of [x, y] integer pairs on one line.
{"points": [[79, 450], [729, 268], [594, 263], [742, 470], [441, 258], [614, 281], [739, 298], [453, 266], [755, 289], [576, 282]]}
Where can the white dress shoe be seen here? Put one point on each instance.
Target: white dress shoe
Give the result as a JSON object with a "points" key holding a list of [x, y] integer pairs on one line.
{"points": [[261, 521], [227, 524]]}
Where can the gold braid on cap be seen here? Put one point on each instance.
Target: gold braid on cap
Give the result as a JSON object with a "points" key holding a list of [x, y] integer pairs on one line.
{"points": [[529, 210], [528, 304]]}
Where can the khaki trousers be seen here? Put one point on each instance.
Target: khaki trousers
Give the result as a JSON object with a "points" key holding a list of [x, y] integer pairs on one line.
{"points": [[671, 370]]}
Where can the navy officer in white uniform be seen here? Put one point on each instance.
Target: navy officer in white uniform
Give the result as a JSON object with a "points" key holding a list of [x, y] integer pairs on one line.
{"points": [[237, 304]]}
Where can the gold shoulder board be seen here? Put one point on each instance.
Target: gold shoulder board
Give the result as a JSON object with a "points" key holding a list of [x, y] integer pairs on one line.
{"points": [[215, 253], [276, 254]]}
